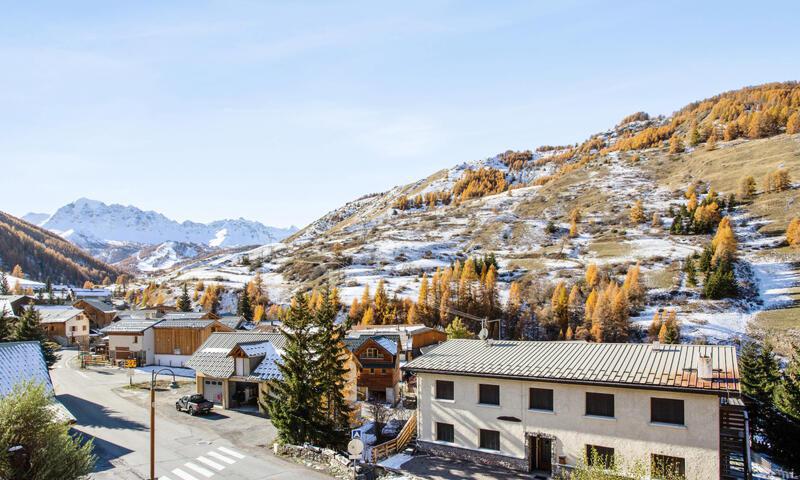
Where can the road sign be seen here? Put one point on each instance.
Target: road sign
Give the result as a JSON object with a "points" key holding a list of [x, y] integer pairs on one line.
{"points": [[355, 448], [355, 434], [130, 363]]}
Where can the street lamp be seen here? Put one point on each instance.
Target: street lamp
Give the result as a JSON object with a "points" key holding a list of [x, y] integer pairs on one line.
{"points": [[172, 385]]}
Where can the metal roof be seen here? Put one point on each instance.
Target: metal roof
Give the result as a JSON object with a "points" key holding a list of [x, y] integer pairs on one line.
{"points": [[387, 342], [231, 321], [212, 359], [22, 361], [256, 349], [6, 308], [57, 313], [672, 367], [186, 316], [98, 304], [129, 326], [267, 369], [185, 323]]}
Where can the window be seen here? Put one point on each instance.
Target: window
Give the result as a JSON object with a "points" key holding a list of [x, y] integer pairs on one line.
{"points": [[444, 390], [662, 466], [541, 399], [135, 339], [489, 394], [666, 410], [490, 439], [84, 328], [72, 328], [600, 404], [371, 352], [599, 456], [444, 432]]}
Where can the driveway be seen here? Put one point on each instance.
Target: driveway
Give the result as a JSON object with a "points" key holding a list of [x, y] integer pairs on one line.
{"points": [[228, 445], [437, 468]]}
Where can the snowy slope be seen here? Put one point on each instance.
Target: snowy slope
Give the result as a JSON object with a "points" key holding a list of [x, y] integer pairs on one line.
{"points": [[148, 240]]}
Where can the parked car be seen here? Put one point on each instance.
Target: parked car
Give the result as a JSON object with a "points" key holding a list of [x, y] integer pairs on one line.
{"points": [[194, 404]]}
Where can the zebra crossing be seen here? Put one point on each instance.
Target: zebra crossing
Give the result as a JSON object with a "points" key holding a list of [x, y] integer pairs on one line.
{"points": [[206, 465]]}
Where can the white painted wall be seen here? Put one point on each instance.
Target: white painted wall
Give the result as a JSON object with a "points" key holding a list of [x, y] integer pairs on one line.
{"points": [[630, 433], [171, 360], [81, 325], [135, 343]]}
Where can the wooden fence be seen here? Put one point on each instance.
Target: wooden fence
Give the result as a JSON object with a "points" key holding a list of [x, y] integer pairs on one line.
{"points": [[397, 444]]}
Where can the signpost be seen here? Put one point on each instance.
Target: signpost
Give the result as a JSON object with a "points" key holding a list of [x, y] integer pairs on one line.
{"points": [[355, 447]]}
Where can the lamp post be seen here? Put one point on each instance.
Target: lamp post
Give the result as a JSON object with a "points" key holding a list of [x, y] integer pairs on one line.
{"points": [[172, 385]]}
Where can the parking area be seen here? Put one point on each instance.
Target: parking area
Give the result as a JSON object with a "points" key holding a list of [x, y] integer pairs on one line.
{"points": [[436, 468]]}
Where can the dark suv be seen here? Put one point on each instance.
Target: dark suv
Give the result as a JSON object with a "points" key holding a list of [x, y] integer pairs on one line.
{"points": [[194, 404]]}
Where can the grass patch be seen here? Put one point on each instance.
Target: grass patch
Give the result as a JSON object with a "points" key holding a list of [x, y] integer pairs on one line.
{"points": [[667, 278], [610, 248]]}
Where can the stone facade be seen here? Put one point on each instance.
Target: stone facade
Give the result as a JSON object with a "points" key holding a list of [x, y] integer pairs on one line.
{"points": [[476, 456]]}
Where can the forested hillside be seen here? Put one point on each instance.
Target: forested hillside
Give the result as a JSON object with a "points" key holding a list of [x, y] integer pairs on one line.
{"points": [[43, 255], [669, 227]]}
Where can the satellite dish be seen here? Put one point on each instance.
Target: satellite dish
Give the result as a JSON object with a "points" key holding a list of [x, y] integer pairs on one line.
{"points": [[483, 334]]}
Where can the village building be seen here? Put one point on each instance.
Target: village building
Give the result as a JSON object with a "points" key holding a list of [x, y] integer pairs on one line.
{"points": [[103, 294], [412, 337], [379, 376], [64, 324], [131, 339], [234, 369], [100, 313], [178, 336], [545, 406], [13, 305]]}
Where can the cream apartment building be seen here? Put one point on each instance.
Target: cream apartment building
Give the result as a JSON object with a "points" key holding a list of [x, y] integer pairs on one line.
{"points": [[546, 406]]}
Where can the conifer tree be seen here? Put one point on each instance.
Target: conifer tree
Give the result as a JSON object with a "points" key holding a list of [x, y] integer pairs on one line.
{"points": [[4, 289], [513, 310], [259, 313], [690, 271], [244, 309], [17, 272], [184, 303], [787, 393], [675, 144], [711, 143], [5, 325], [656, 221], [423, 306], [793, 123], [295, 399], [457, 330], [28, 328], [381, 312], [559, 306], [672, 334], [760, 373], [332, 357], [694, 134], [636, 214], [793, 233], [654, 331], [369, 317], [592, 275]]}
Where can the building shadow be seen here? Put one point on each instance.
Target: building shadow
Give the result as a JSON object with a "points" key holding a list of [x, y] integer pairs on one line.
{"points": [[103, 449], [96, 415]]}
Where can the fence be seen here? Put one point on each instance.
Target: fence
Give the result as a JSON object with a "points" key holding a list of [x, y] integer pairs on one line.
{"points": [[379, 452]]}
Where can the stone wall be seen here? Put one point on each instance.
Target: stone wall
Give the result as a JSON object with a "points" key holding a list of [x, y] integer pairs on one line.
{"points": [[476, 456]]}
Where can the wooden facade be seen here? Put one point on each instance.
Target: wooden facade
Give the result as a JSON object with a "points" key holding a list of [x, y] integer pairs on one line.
{"points": [[184, 340], [380, 369], [97, 317]]}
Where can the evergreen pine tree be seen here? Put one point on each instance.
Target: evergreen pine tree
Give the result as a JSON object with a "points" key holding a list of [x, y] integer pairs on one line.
{"points": [[29, 328], [787, 393], [184, 302], [331, 357], [294, 400], [759, 373], [4, 288], [691, 272], [244, 309], [5, 325]]}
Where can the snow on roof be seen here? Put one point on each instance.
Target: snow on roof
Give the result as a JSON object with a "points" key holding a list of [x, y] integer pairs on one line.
{"points": [[257, 349], [129, 326], [268, 369], [98, 304]]}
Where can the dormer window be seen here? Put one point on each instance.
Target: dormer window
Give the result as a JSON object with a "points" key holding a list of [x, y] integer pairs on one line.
{"points": [[371, 352]]}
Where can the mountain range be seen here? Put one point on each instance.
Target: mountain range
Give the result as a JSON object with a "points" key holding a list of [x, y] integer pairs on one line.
{"points": [[148, 240]]}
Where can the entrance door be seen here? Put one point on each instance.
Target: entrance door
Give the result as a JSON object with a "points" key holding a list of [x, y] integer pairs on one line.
{"points": [[541, 454]]}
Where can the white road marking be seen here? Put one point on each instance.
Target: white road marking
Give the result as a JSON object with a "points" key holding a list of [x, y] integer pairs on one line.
{"points": [[82, 374], [185, 476], [199, 469], [210, 463], [230, 452], [221, 457]]}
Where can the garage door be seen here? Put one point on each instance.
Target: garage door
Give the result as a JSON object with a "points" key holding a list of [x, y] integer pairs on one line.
{"points": [[212, 390]]}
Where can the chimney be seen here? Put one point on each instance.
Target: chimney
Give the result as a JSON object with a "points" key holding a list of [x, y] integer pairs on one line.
{"points": [[704, 370], [656, 345]]}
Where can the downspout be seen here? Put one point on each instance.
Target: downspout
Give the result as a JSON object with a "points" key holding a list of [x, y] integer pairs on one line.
{"points": [[747, 465]]}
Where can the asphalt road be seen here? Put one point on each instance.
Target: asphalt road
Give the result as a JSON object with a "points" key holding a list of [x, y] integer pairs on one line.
{"points": [[187, 448]]}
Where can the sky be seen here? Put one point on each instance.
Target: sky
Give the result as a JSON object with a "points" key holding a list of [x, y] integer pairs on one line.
{"points": [[282, 111]]}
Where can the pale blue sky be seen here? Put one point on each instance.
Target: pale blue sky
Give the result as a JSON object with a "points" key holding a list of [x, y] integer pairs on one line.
{"points": [[282, 111]]}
